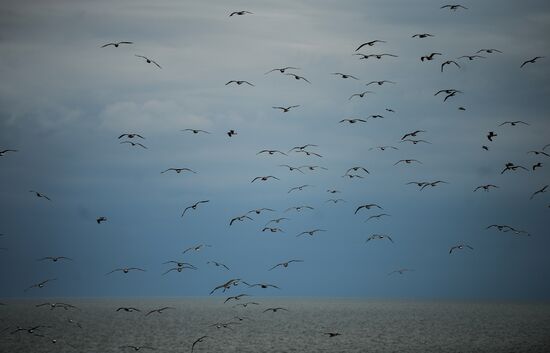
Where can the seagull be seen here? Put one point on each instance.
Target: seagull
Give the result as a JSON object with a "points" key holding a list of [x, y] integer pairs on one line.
{"points": [[128, 309], [55, 258], [259, 210], [375, 116], [237, 297], [454, 7], [298, 77], [448, 62], [197, 248], [379, 83], [512, 167], [370, 44], [57, 305], [273, 230], [194, 207], [460, 247], [485, 187], [300, 188], [282, 69], [274, 309], [239, 218], [308, 153], [543, 190], [298, 208], [286, 109], [335, 200], [292, 168], [160, 310], [38, 194], [502, 228], [383, 148], [344, 75], [390, 110], [353, 121], [538, 165], [196, 131], [180, 263], [3, 152], [238, 82], [149, 61], [244, 305], [217, 264], [179, 170], [377, 56], [412, 134], [532, 61], [285, 264], [490, 135], [40, 284], [227, 285], [407, 161], [447, 91], [311, 232], [414, 142], [471, 57], [332, 334], [131, 136], [422, 35], [514, 123], [379, 236], [180, 269], [134, 144], [240, 13], [485, 148], [333, 191], [116, 44], [429, 57], [367, 207], [488, 51], [277, 220], [137, 348], [301, 148], [231, 133], [101, 219], [400, 271], [264, 178], [360, 95], [377, 216], [432, 184], [356, 169], [271, 152], [198, 340], [261, 285], [539, 152], [125, 270]]}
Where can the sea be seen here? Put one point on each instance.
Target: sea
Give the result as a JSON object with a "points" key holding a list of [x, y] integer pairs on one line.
{"points": [[358, 325]]}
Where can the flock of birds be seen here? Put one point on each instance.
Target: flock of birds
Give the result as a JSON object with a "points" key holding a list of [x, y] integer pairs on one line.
{"points": [[177, 266]]}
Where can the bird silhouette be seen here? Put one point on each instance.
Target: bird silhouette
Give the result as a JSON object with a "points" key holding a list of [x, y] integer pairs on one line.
{"points": [[239, 82], [194, 206], [116, 44], [531, 61], [370, 44], [240, 13], [149, 61], [282, 69], [285, 264]]}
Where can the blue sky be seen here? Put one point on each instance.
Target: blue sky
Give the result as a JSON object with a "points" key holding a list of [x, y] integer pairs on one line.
{"points": [[64, 101]]}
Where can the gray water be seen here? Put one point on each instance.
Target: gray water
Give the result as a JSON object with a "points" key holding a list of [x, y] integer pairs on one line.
{"points": [[364, 325]]}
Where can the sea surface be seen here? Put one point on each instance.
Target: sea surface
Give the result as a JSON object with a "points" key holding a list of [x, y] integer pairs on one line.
{"points": [[364, 326]]}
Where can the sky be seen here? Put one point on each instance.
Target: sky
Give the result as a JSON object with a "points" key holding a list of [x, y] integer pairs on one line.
{"points": [[64, 101]]}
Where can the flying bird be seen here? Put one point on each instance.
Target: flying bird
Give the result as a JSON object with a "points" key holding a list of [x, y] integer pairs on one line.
{"points": [[227, 285], [414, 142], [274, 309], [159, 311], [125, 270], [360, 95], [335, 200], [378, 237], [149, 61], [407, 161], [286, 109], [196, 248], [454, 7], [290, 168], [485, 187], [367, 207], [239, 82], [196, 131], [377, 216], [490, 135], [57, 305], [231, 133], [309, 153], [236, 297], [377, 56], [134, 144], [55, 258], [298, 208], [488, 51], [311, 232], [383, 148], [429, 56], [273, 230], [271, 152], [179, 269], [471, 57], [344, 75], [460, 247], [283, 69], [537, 165], [101, 219], [277, 220], [240, 13], [38, 194], [300, 188], [194, 206], [379, 83], [198, 340], [127, 309], [352, 121], [543, 190], [539, 152], [217, 264], [332, 334], [298, 77], [3, 152], [400, 271], [261, 285], [136, 348], [448, 62], [412, 134], [116, 44], [285, 264], [422, 35], [370, 44], [260, 210], [302, 148], [239, 218], [264, 178], [40, 284], [512, 167], [432, 184], [532, 61], [179, 170], [131, 136], [514, 123]]}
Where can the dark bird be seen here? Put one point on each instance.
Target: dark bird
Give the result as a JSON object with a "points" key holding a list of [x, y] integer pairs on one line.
{"points": [[486, 148], [400, 271], [332, 191], [125, 270], [311, 232], [227, 285], [414, 142], [422, 35], [332, 334], [101, 219], [454, 7], [407, 161], [198, 340], [448, 62], [379, 83], [461, 108], [55, 258], [159, 311], [377, 216], [217, 264], [271, 152], [180, 263], [300, 188], [274, 309], [261, 285], [532, 61], [537, 165], [285, 264], [116, 44], [260, 210], [290, 168], [308, 153], [277, 220], [239, 218], [136, 348], [3, 152], [283, 69], [194, 207], [344, 75], [196, 248], [244, 305], [539, 152], [429, 57], [490, 135], [370, 44], [149, 61], [471, 57], [298, 77], [57, 305], [447, 91], [351, 176], [432, 184], [335, 200], [543, 190], [449, 96], [412, 134], [460, 247], [377, 56], [238, 82], [179, 170], [131, 136], [378, 237], [488, 51], [356, 169], [302, 148], [286, 109], [352, 121], [383, 148], [272, 230], [390, 110], [40, 284], [134, 144], [128, 309], [38, 194], [236, 297], [485, 187], [196, 131], [231, 133], [298, 208], [360, 95], [512, 167], [514, 123], [264, 178], [367, 207], [179, 269], [240, 13], [376, 116]]}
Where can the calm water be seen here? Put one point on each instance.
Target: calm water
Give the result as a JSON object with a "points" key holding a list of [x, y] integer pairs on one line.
{"points": [[365, 326]]}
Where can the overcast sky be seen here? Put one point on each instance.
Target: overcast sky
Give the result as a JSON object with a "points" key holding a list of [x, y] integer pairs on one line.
{"points": [[64, 101]]}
